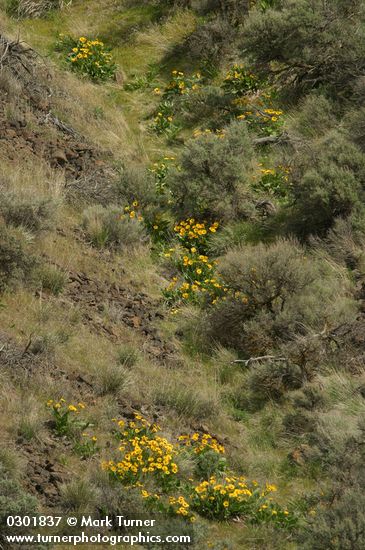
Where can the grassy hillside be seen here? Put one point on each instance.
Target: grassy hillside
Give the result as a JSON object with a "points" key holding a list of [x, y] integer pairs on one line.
{"points": [[181, 267]]}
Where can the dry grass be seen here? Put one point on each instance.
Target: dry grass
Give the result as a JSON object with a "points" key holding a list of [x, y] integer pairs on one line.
{"points": [[33, 176], [79, 106]]}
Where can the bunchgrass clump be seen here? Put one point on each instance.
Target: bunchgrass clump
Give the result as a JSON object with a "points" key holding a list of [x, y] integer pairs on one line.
{"points": [[112, 227], [50, 279]]}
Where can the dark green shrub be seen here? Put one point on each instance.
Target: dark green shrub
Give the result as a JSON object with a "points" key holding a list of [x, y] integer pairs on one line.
{"points": [[298, 44], [209, 42], [213, 180], [15, 261], [309, 398], [208, 104], [272, 380], [111, 227], [339, 526], [299, 422], [354, 122], [328, 180], [344, 244], [277, 292], [338, 522], [314, 118], [141, 185]]}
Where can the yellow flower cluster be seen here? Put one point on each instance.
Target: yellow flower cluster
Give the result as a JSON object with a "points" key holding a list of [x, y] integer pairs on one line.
{"points": [[61, 406], [65, 416], [160, 170], [240, 81], [180, 507], [171, 505], [267, 120], [137, 426], [229, 496], [221, 134], [195, 267], [190, 229], [90, 57], [180, 84], [267, 171], [273, 114], [201, 443], [148, 465], [229, 487], [84, 49], [164, 121], [143, 453], [274, 181], [133, 211]]}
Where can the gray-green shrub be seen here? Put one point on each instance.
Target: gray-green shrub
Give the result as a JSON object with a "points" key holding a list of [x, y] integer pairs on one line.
{"points": [[328, 181], [315, 45], [277, 291], [213, 178], [32, 212], [15, 262], [14, 501]]}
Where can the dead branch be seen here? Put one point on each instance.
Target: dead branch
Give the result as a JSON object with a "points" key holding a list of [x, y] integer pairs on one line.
{"points": [[247, 362], [270, 140]]}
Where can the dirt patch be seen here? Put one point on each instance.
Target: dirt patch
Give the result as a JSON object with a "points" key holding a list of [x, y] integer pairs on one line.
{"points": [[44, 476], [22, 362], [30, 130], [106, 307]]}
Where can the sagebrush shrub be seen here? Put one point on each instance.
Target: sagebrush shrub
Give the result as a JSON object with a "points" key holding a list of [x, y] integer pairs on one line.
{"points": [[212, 181], [137, 184], [354, 122], [328, 180], [32, 212], [271, 380], [339, 526], [208, 103], [314, 117], [210, 41], [13, 501], [15, 262], [338, 522], [277, 291], [292, 36], [111, 227]]}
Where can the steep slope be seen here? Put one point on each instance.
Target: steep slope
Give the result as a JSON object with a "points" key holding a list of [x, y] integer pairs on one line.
{"points": [[181, 245]]}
